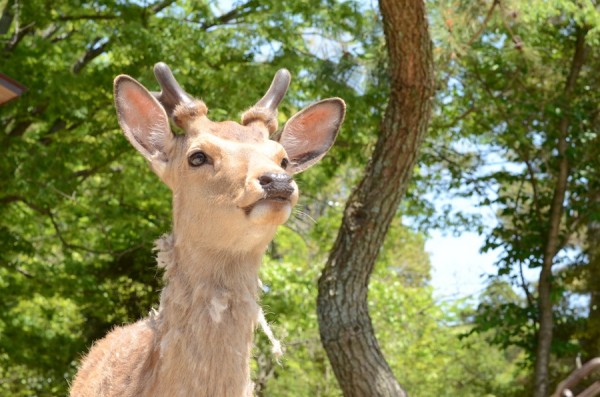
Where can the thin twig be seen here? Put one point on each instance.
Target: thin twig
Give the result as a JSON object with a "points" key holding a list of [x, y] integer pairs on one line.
{"points": [[534, 186], [87, 16], [484, 24]]}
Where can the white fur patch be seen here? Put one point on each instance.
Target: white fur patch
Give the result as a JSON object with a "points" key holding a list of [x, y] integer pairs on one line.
{"points": [[165, 257], [218, 304]]}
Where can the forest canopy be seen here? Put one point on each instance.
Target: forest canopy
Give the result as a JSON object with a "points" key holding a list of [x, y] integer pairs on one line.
{"points": [[514, 126]]}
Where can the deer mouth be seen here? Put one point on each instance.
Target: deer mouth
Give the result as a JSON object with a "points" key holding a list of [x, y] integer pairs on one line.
{"points": [[276, 199]]}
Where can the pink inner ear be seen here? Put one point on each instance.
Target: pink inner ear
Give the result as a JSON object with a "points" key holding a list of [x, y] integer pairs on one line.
{"points": [[142, 118], [310, 133], [317, 123], [323, 122], [139, 109], [312, 130]]}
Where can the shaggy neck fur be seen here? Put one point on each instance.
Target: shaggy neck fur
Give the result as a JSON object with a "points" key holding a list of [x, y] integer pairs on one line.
{"points": [[205, 324]]}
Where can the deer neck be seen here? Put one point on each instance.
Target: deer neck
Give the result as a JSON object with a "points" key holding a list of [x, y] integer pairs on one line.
{"points": [[205, 326]]}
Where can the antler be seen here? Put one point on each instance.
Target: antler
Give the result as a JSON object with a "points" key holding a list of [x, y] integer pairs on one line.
{"points": [[276, 91], [265, 109], [176, 102]]}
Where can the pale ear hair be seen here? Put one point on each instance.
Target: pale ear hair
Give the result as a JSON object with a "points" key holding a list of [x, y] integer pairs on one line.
{"points": [[143, 120], [310, 133]]}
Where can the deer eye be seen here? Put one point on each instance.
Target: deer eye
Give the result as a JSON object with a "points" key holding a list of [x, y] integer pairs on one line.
{"points": [[197, 159], [284, 163]]}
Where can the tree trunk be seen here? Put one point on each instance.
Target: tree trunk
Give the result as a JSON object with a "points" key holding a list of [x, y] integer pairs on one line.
{"points": [[552, 245], [345, 326], [7, 17]]}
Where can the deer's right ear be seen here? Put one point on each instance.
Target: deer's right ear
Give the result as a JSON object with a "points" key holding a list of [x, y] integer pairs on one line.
{"points": [[143, 121]]}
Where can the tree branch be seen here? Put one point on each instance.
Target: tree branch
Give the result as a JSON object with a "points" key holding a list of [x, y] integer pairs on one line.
{"points": [[87, 17], [515, 38], [161, 5], [534, 187], [10, 199], [552, 241], [241, 11], [65, 243], [16, 198], [227, 18], [484, 24], [7, 17], [525, 288], [59, 234], [457, 119], [18, 36], [93, 51]]}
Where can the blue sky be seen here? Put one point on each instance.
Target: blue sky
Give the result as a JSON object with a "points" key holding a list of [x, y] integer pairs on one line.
{"points": [[459, 270]]}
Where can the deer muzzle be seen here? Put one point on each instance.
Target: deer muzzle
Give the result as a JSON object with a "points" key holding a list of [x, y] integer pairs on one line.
{"points": [[278, 187]]}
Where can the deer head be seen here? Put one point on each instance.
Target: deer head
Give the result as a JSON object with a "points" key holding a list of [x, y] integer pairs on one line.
{"points": [[232, 185]]}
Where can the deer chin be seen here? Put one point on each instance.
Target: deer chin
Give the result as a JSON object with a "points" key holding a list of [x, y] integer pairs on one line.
{"points": [[269, 211]]}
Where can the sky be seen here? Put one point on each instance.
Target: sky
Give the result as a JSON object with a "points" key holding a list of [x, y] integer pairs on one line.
{"points": [[458, 269]]}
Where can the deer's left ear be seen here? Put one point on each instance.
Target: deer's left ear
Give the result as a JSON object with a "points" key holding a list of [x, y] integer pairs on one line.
{"points": [[310, 133]]}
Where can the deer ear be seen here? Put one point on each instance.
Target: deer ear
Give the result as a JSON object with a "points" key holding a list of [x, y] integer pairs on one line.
{"points": [[310, 133], [143, 121]]}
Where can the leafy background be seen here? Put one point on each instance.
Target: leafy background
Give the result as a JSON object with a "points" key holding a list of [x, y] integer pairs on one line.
{"points": [[79, 210]]}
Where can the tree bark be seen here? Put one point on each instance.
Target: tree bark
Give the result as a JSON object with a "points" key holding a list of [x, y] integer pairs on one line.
{"points": [[345, 326], [7, 17], [551, 247]]}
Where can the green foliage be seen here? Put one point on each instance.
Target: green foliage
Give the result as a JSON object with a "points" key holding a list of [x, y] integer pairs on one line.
{"points": [[79, 209], [513, 87], [419, 337], [426, 353]]}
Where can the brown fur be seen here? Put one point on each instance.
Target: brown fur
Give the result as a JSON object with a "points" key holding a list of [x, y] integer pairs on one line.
{"points": [[199, 341]]}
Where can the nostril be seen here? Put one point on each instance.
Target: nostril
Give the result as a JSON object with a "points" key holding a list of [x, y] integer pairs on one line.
{"points": [[272, 178], [265, 179], [277, 186]]}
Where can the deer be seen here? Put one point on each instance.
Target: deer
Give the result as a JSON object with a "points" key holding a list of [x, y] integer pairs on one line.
{"points": [[232, 185]]}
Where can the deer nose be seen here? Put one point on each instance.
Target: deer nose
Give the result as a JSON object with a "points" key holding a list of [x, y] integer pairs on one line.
{"points": [[277, 186]]}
